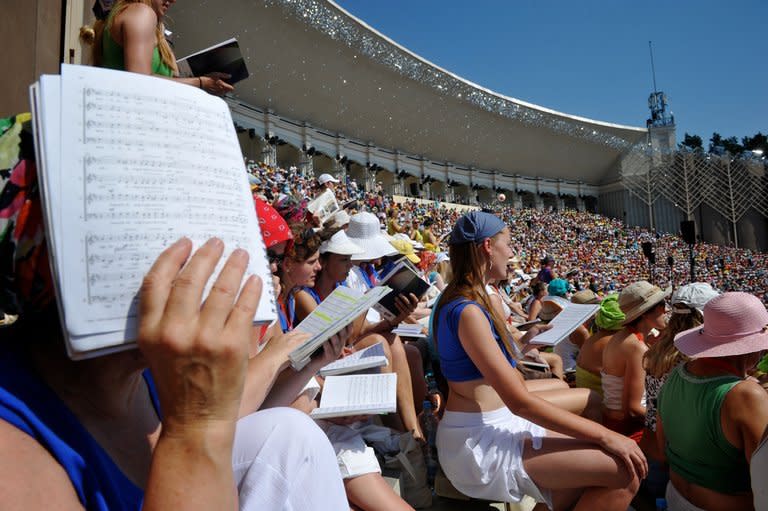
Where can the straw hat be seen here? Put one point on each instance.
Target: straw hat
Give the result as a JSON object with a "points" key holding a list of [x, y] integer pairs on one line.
{"points": [[340, 244], [551, 306], [406, 249], [734, 324], [639, 297], [585, 296], [365, 231]]}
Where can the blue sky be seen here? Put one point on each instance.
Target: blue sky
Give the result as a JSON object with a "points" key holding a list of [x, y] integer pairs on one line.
{"points": [[591, 58]]}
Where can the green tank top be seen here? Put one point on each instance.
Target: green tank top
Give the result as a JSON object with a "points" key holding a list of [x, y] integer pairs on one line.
{"points": [[696, 448], [113, 56]]}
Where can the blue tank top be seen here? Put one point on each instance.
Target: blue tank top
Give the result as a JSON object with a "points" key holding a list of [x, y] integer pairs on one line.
{"points": [[31, 406], [454, 361]]}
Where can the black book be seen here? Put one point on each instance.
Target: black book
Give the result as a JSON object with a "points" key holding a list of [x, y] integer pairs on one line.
{"points": [[403, 279], [224, 57]]}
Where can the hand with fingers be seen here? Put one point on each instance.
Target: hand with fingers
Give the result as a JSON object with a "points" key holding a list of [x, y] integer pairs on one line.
{"points": [[280, 346], [214, 83], [198, 357], [197, 354], [405, 304], [333, 347], [627, 451]]}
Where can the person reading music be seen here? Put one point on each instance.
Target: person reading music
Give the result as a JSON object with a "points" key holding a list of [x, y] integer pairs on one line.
{"points": [[131, 37], [103, 434], [496, 440]]}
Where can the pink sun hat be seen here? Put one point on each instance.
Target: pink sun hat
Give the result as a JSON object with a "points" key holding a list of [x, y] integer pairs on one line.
{"points": [[734, 324]]}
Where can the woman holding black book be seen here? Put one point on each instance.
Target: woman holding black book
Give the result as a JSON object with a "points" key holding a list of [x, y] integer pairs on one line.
{"points": [[130, 36]]}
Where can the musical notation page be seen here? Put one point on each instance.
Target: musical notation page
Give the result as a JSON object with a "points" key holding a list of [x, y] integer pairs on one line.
{"points": [[357, 394], [144, 161]]}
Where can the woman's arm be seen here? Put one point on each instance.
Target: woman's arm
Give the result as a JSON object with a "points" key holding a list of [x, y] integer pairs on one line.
{"points": [[744, 416], [198, 357], [135, 28], [477, 340], [634, 378], [305, 304], [533, 312]]}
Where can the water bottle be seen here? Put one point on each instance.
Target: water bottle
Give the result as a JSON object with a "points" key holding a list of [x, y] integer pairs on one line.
{"points": [[428, 421], [661, 504], [433, 394]]}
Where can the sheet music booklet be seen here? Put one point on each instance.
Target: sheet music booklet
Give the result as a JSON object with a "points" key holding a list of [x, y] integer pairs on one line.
{"points": [[361, 394], [128, 164], [403, 279], [369, 358], [568, 320], [338, 310]]}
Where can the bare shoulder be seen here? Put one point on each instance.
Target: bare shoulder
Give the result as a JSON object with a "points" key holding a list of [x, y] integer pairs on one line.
{"points": [[138, 15], [747, 397], [30, 478]]}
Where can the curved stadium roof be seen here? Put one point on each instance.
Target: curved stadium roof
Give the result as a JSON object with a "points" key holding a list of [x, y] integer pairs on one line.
{"points": [[311, 61]]}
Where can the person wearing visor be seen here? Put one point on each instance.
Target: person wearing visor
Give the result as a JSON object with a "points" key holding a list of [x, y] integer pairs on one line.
{"points": [[497, 441]]}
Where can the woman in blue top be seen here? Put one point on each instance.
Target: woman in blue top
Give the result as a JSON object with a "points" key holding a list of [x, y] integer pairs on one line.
{"points": [[492, 440]]}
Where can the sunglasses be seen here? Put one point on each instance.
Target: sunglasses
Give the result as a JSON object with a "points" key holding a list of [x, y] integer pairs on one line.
{"points": [[274, 258]]}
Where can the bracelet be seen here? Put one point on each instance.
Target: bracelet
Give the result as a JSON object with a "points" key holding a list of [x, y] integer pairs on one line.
{"points": [[200, 78]]}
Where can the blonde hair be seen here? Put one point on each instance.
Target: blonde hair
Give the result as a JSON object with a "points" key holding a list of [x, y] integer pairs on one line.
{"points": [[663, 355], [97, 51], [444, 269], [468, 263]]}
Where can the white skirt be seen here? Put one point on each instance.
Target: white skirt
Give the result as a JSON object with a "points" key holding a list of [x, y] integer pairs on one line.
{"points": [[482, 455]]}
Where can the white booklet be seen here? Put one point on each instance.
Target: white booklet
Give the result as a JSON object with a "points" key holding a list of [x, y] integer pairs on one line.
{"points": [[568, 320], [368, 358], [414, 330], [359, 394], [323, 206], [338, 310], [128, 164]]}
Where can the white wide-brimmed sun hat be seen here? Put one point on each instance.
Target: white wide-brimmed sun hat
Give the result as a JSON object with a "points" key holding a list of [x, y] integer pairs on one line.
{"points": [[734, 324], [365, 231], [340, 244]]}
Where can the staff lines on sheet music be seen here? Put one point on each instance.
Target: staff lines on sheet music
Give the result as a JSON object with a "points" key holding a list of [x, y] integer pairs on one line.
{"points": [[192, 116], [143, 127], [120, 165], [166, 238], [140, 214], [132, 144], [169, 180], [149, 198]]}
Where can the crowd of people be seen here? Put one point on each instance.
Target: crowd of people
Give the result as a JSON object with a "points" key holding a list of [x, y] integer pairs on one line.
{"points": [[658, 393]]}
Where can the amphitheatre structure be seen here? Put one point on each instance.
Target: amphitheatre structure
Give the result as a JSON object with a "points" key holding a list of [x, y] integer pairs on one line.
{"points": [[328, 93]]}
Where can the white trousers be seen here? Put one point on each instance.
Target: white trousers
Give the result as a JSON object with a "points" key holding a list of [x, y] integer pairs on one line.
{"points": [[284, 462]]}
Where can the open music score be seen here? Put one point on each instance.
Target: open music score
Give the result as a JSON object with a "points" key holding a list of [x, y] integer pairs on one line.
{"points": [[141, 162]]}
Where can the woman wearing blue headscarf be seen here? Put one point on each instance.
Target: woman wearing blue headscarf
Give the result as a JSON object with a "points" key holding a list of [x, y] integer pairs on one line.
{"points": [[492, 440]]}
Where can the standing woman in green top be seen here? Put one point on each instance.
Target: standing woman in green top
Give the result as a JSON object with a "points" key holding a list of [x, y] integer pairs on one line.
{"points": [[132, 38]]}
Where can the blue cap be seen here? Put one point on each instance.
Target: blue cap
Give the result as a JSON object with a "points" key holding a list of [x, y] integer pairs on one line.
{"points": [[558, 287], [475, 227]]}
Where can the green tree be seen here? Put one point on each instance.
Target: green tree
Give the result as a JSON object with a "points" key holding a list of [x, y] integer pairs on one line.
{"points": [[692, 142], [756, 142], [731, 144], [715, 141]]}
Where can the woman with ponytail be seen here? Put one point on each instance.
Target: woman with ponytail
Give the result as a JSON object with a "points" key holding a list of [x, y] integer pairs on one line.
{"points": [[131, 37], [498, 441]]}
